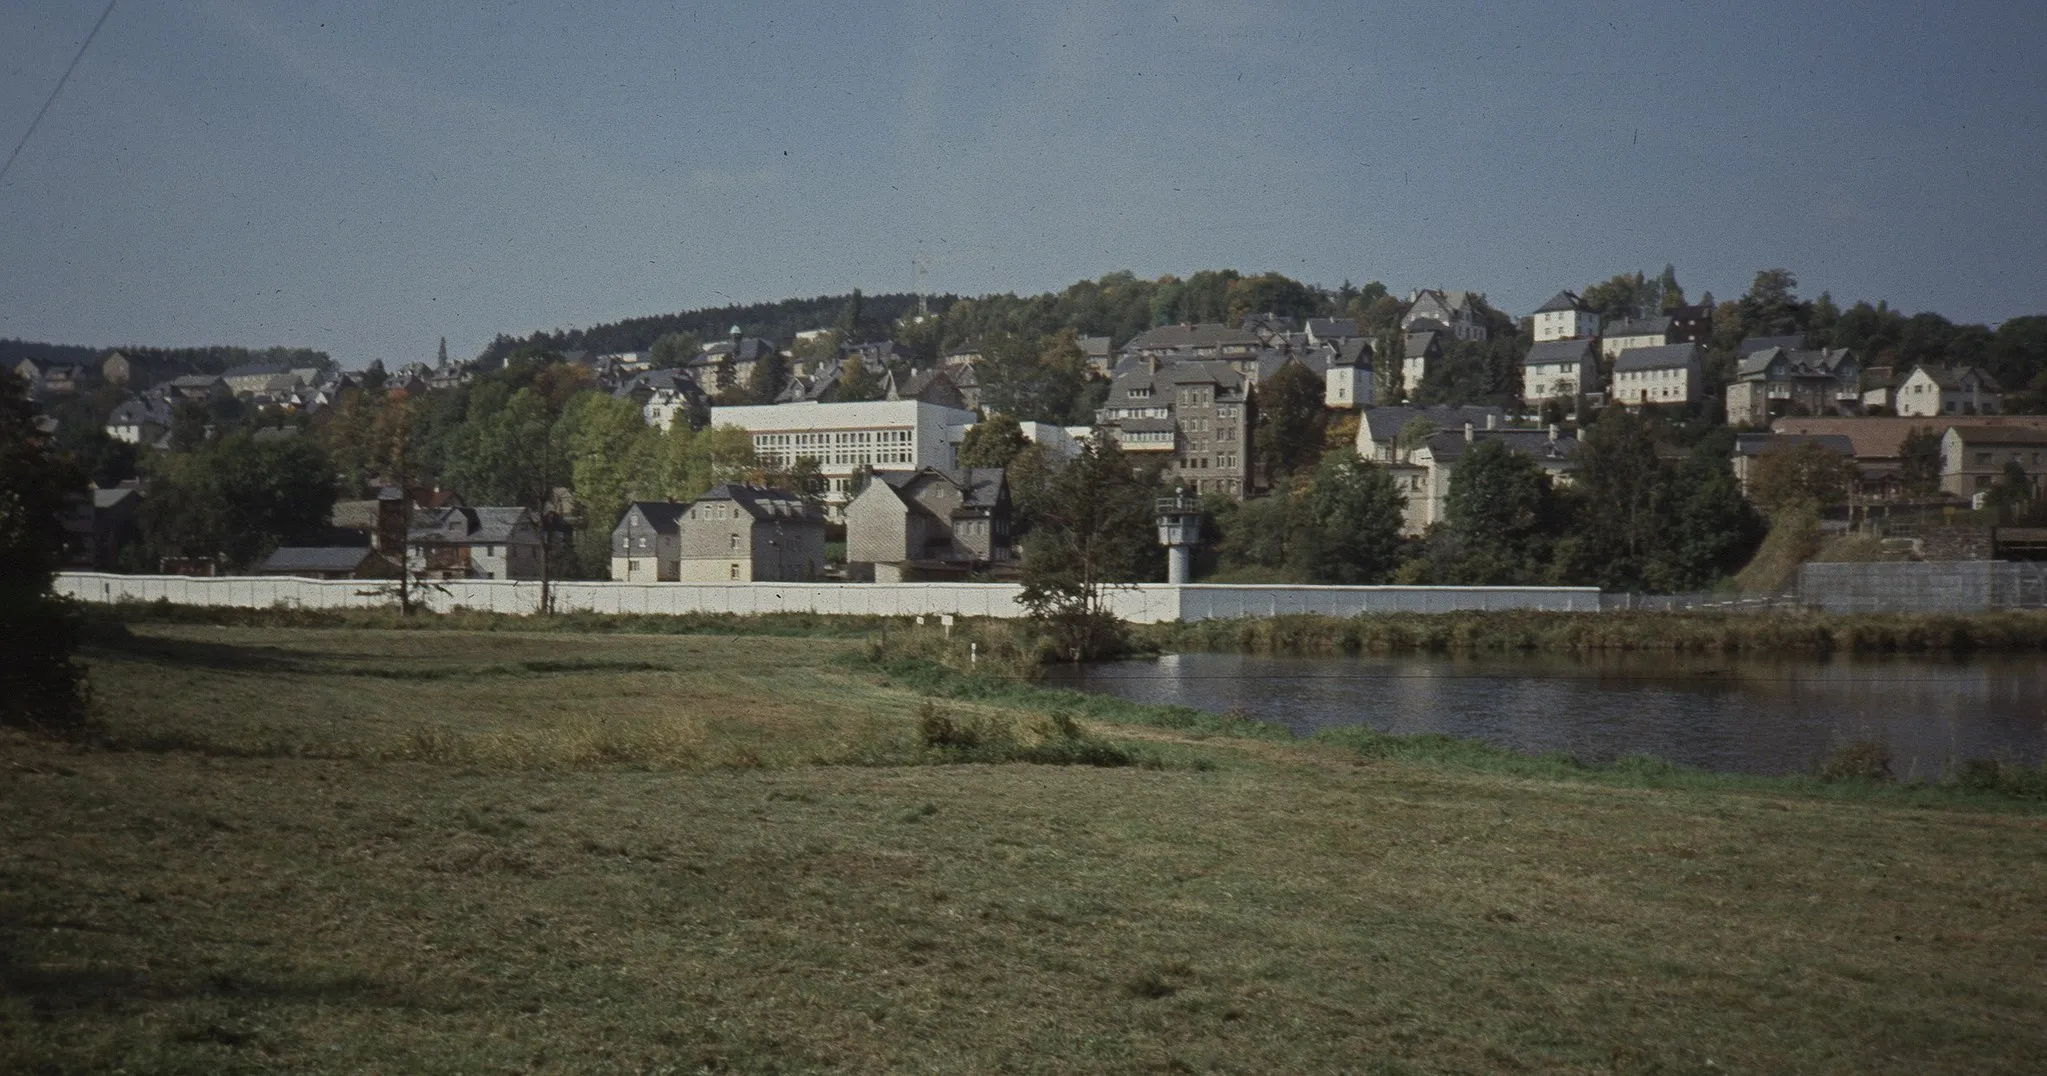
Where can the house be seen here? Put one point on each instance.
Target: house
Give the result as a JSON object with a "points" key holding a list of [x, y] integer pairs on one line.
{"points": [[97, 524], [646, 545], [328, 562], [1381, 429], [1751, 345], [1193, 343], [665, 396], [1100, 356], [1974, 458], [198, 388], [251, 378], [1347, 382], [1330, 330], [1456, 311], [461, 542], [1565, 317], [1618, 336], [930, 386], [1946, 390], [1197, 415], [140, 420], [138, 372], [1880, 388], [1658, 375], [1425, 477], [1561, 369], [883, 435], [1750, 447], [741, 533], [1776, 380], [379, 522], [1423, 350], [728, 363], [1688, 324], [928, 523]]}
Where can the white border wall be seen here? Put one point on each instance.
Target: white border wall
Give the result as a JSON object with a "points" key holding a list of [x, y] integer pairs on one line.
{"points": [[1147, 603]]}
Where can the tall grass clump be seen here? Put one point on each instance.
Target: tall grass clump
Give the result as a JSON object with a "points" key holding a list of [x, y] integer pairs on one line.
{"points": [[1054, 739]]}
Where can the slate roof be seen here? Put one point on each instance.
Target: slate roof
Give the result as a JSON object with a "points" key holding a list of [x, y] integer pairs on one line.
{"points": [[1756, 444], [339, 558], [1190, 337], [664, 516], [980, 487], [1535, 444], [1661, 357], [1579, 350], [763, 503], [138, 410], [2001, 435], [1144, 425], [471, 525], [1426, 325], [1659, 326], [1418, 343], [1385, 423], [1353, 351], [1754, 344], [1949, 377], [1332, 328], [259, 369], [1561, 302], [1179, 373]]}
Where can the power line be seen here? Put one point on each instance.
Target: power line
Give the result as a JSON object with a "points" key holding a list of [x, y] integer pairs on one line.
{"points": [[59, 88]]}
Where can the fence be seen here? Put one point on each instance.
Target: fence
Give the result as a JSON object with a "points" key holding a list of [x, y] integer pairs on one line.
{"points": [[1144, 603], [1974, 586]]}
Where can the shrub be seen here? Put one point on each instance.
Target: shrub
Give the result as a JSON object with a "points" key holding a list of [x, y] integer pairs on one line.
{"points": [[1857, 760]]}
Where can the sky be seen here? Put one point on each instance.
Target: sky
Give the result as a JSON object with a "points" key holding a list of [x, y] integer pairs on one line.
{"points": [[366, 178]]}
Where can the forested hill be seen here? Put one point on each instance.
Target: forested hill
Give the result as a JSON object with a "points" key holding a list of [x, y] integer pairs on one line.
{"points": [[777, 321], [207, 360]]}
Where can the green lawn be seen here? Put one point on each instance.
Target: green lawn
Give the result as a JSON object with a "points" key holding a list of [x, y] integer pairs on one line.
{"points": [[361, 850]]}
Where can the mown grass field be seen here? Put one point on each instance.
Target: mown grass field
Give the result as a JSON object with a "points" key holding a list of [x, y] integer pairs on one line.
{"points": [[368, 850]]}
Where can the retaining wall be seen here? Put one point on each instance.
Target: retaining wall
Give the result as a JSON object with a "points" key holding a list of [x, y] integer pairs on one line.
{"points": [[1144, 604], [1922, 586]]}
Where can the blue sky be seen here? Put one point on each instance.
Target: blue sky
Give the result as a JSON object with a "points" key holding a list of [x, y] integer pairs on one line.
{"points": [[368, 177]]}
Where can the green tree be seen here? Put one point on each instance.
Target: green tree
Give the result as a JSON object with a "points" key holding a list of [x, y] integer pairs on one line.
{"points": [[1496, 516], [1092, 530], [238, 499], [1919, 462], [40, 687], [1289, 435], [1623, 498], [1673, 293], [1772, 307], [610, 452], [1357, 511], [507, 456], [770, 376], [857, 382], [1805, 476], [674, 350], [992, 442]]}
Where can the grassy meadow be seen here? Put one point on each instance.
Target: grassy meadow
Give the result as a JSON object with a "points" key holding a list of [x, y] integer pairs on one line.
{"points": [[348, 849]]}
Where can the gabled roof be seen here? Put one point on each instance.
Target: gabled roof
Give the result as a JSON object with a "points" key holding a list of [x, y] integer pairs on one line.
{"points": [[1191, 337], [1661, 357], [980, 487], [663, 516], [469, 525], [763, 503], [1218, 373], [1385, 423], [346, 558], [1757, 343], [260, 369], [1420, 341], [1426, 325], [1561, 302], [1579, 350], [1535, 444], [1999, 435], [1353, 351], [1332, 328], [1757, 444], [1950, 378], [1659, 326]]}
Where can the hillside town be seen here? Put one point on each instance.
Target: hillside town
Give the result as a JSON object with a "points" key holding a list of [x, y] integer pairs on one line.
{"points": [[917, 447]]}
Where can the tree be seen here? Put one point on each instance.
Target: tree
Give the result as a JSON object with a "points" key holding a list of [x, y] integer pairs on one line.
{"points": [[1357, 512], [1497, 515], [1619, 297], [238, 499], [857, 382], [610, 454], [1091, 531], [1034, 380], [1623, 494], [1771, 307], [1805, 476], [992, 443], [1673, 293], [2013, 495], [1290, 423], [673, 350], [770, 376], [40, 687], [1919, 462]]}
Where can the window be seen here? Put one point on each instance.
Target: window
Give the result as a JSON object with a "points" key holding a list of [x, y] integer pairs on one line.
{"points": [[735, 541], [735, 571]]}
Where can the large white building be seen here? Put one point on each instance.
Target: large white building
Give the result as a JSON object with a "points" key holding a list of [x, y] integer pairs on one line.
{"points": [[1565, 317], [885, 435]]}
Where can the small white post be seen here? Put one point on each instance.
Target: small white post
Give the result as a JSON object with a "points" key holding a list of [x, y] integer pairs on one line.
{"points": [[973, 653]]}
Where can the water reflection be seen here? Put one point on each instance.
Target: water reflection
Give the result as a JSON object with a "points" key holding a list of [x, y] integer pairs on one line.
{"points": [[1748, 716]]}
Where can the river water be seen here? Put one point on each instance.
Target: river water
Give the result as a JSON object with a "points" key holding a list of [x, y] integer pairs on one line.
{"points": [[1744, 716]]}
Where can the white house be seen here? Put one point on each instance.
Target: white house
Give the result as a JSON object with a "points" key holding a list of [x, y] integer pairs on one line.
{"points": [[1425, 477], [1634, 332], [1347, 383], [1559, 370], [1943, 390], [1660, 375], [1565, 317], [885, 435]]}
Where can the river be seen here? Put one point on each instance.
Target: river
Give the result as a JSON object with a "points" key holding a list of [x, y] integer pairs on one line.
{"points": [[1746, 716]]}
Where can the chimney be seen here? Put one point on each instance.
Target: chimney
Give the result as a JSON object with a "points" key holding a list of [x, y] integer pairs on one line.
{"points": [[1492, 421], [1467, 432]]}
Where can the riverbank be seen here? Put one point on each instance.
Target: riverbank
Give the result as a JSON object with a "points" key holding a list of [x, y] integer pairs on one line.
{"points": [[1772, 633], [349, 850]]}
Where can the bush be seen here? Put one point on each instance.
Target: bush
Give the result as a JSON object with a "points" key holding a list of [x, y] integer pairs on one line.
{"points": [[1857, 760]]}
